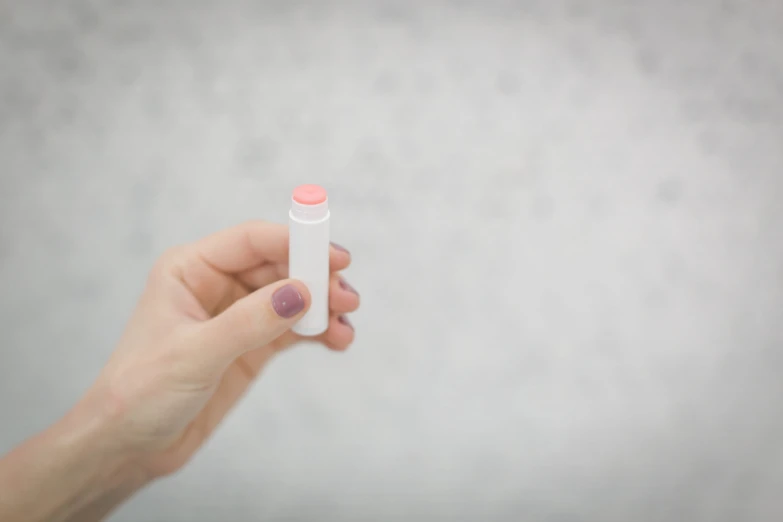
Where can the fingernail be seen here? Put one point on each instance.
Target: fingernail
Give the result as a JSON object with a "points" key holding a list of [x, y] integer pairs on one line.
{"points": [[344, 320], [345, 286], [340, 248], [287, 301]]}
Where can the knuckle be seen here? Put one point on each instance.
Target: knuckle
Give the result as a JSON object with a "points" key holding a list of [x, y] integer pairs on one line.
{"points": [[173, 254], [168, 262]]}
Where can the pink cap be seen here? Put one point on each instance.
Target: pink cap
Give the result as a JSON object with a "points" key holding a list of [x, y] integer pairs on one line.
{"points": [[309, 194]]}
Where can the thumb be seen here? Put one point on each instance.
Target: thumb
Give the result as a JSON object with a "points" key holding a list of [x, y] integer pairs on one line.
{"points": [[253, 321]]}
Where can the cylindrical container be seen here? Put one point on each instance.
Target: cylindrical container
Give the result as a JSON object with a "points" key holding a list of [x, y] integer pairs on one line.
{"points": [[308, 255]]}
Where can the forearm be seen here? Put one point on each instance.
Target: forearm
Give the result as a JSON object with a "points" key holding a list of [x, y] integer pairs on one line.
{"points": [[67, 473]]}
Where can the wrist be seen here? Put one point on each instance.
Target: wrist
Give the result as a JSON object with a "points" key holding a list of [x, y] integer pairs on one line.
{"points": [[72, 471], [94, 434]]}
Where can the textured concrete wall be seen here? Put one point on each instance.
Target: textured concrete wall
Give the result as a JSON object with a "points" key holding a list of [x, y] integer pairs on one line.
{"points": [[565, 219]]}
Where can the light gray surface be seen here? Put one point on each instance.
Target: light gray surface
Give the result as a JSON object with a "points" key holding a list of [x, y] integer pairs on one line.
{"points": [[565, 220]]}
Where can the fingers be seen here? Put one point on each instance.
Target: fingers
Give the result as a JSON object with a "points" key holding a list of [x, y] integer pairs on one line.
{"points": [[224, 266], [343, 298], [251, 322], [339, 257], [340, 334], [244, 246], [261, 276], [255, 255], [249, 245], [258, 276]]}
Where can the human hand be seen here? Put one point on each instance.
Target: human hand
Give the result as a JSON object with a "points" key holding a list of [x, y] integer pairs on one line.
{"points": [[212, 315]]}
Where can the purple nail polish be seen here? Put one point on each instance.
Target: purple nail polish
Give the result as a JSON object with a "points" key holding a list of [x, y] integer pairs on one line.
{"points": [[340, 248], [346, 286], [344, 320], [287, 301]]}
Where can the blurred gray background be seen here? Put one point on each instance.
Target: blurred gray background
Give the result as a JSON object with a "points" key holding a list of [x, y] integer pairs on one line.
{"points": [[565, 218]]}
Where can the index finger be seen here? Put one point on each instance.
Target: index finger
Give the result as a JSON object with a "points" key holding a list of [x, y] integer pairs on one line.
{"points": [[244, 246], [253, 244]]}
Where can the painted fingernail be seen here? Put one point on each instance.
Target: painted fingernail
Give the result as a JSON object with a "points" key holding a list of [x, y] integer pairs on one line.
{"points": [[340, 248], [287, 301], [346, 286], [344, 320]]}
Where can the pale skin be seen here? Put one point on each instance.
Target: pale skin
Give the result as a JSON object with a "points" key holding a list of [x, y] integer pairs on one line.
{"points": [[204, 328]]}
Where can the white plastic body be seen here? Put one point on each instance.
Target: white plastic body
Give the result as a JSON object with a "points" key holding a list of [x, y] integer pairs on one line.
{"points": [[308, 261]]}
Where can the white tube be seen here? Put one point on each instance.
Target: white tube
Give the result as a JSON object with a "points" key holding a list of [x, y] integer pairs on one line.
{"points": [[308, 255]]}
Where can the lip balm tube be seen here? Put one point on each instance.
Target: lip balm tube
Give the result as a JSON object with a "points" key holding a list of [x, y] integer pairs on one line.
{"points": [[308, 254]]}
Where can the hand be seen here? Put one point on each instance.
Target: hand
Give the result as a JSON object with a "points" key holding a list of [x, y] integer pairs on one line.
{"points": [[212, 315]]}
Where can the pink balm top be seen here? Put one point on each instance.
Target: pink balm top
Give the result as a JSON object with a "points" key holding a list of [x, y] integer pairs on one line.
{"points": [[309, 194]]}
